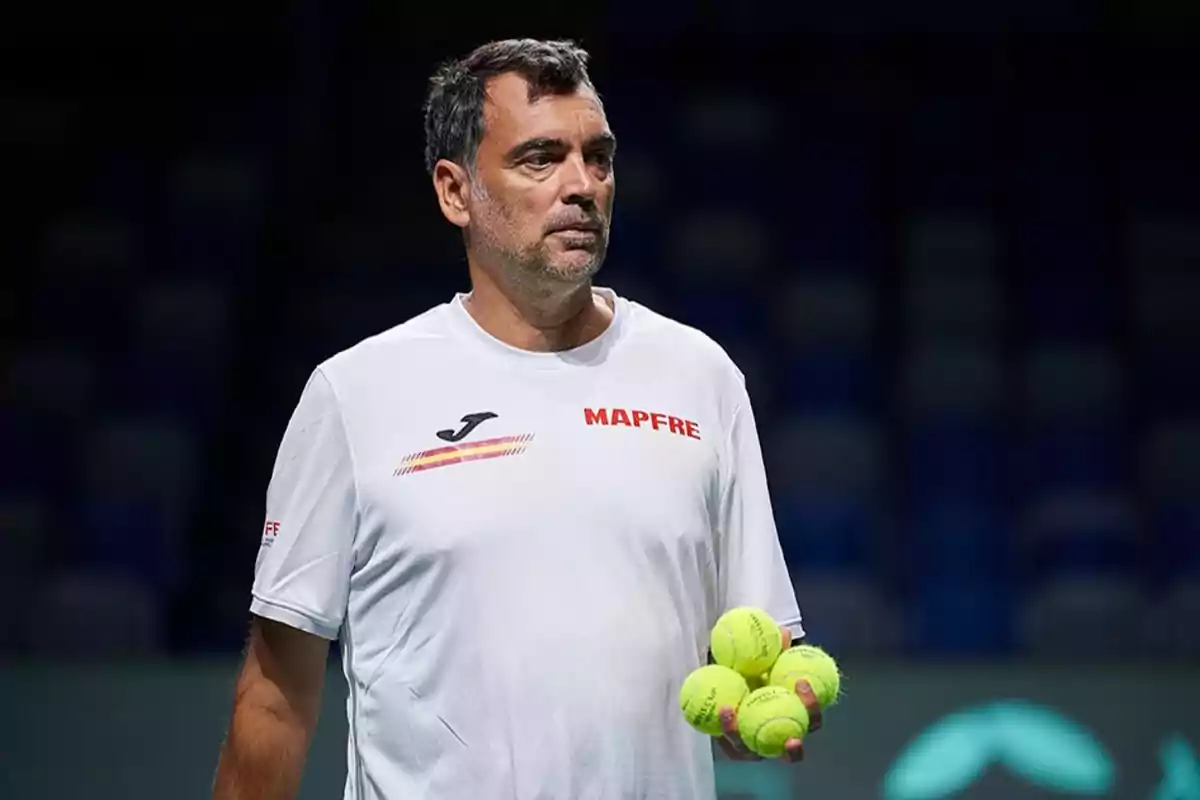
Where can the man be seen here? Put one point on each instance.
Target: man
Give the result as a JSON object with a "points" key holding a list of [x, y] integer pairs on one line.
{"points": [[521, 511]]}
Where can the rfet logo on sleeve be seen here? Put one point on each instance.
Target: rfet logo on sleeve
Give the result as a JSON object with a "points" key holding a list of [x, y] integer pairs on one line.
{"points": [[270, 531], [631, 418]]}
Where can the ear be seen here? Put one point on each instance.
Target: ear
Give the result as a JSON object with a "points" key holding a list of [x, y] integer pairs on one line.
{"points": [[451, 184]]}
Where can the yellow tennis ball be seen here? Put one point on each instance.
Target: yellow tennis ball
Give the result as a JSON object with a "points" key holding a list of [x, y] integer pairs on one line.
{"points": [[706, 691], [769, 717], [746, 640], [813, 665]]}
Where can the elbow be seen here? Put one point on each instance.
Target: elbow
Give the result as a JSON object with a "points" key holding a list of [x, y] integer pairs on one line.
{"points": [[263, 705]]}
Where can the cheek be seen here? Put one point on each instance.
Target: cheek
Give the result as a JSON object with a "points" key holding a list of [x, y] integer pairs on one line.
{"points": [[530, 206], [515, 215], [606, 189], [529, 212], [510, 224], [492, 209]]}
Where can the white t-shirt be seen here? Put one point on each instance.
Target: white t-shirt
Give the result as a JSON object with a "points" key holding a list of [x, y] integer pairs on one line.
{"points": [[519, 596]]}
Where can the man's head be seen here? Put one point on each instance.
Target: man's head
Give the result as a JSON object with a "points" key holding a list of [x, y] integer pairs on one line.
{"points": [[521, 156]]}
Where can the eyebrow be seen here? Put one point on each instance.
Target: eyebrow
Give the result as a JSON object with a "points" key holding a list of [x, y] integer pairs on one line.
{"points": [[606, 140]]}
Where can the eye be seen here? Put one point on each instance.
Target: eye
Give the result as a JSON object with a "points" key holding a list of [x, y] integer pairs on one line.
{"points": [[539, 160], [602, 159]]}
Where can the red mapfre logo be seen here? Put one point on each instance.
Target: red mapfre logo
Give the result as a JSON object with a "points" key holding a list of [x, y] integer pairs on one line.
{"points": [[270, 532], [641, 419]]}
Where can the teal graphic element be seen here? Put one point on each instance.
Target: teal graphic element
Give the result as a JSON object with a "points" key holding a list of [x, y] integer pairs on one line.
{"points": [[1051, 751], [1181, 771], [1038, 744], [948, 756]]}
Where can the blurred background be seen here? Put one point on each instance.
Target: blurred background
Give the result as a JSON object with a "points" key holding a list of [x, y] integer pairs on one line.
{"points": [[954, 247]]}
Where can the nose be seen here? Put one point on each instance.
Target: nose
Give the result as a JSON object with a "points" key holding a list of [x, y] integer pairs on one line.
{"points": [[579, 185]]}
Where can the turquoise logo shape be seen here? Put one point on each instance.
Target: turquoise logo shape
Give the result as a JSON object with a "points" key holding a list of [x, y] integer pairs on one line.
{"points": [[1181, 771], [1038, 744]]}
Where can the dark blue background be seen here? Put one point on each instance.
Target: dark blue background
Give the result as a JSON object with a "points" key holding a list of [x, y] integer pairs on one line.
{"points": [[955, 248]]}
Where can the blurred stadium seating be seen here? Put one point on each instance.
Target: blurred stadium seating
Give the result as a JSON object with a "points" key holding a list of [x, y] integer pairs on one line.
{"points": [[969, 319]]}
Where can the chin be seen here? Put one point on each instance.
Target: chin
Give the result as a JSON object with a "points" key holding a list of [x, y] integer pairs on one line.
{"points": [[574, 273], [574, 267]]}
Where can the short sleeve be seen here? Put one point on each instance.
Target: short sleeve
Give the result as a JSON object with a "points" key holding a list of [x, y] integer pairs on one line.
{"points": [[751, 567], [302, 574]]}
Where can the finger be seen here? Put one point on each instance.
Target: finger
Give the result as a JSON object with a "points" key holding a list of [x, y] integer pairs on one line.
{"points": [[786, 633], [733, 753], [731, 737], [728, 749], [728, 722], [793, 751], [809, 698]]}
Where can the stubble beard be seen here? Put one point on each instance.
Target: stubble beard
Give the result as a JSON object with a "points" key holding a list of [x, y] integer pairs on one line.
{"points": [[530, 270]]}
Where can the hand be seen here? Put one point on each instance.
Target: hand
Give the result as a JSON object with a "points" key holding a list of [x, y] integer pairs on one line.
{"points": [[735, 749]]}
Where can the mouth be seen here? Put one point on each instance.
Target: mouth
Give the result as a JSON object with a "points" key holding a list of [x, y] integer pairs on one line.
{"points": [[582, 227]]}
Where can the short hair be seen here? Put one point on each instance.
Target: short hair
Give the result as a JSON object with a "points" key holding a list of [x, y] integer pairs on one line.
{"points": [[454, 123]]}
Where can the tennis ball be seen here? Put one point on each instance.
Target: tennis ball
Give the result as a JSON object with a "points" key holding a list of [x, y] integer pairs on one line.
{"points": [[706, 691], [746, 640], [813, 665], [758, 681], [769, 717]]}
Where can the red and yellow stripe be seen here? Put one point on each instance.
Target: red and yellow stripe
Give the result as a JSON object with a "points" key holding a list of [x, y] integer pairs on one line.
{"points": [[459, 453]]}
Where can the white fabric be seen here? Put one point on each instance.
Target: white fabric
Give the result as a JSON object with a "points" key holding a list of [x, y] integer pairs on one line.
{"points": [[518, 626]]}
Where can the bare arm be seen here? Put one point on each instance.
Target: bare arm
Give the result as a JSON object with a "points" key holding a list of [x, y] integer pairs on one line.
{"points": [[275, 709]]}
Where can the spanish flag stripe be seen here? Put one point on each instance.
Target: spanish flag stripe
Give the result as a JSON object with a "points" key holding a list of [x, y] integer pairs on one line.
{"points": [[454, 448], [473, 456], [458, 454], [462, 452]]}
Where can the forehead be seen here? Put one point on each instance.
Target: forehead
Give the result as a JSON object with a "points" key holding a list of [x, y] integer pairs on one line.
{"points": [[511, 118]]}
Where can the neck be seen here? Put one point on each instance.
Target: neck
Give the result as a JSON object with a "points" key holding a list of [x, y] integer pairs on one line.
{"points": [[543, 319]]}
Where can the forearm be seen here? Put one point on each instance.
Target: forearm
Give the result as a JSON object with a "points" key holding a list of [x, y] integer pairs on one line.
{"points": [[263, 756]]}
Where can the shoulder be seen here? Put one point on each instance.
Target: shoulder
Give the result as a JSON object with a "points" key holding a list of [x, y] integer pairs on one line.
{"points": [[686, 347], [404, 350]]}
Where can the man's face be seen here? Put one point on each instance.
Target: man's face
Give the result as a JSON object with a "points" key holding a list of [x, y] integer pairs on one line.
{"points": [[543, 190]]}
